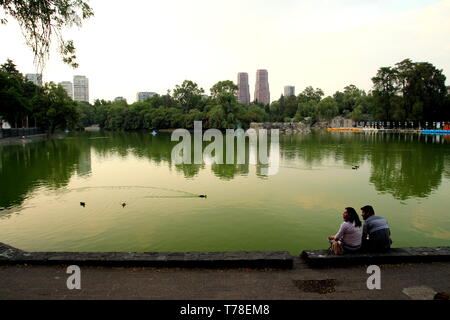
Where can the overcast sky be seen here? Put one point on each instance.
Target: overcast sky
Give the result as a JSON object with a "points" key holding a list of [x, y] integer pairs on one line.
{"points": [[142, 45]]}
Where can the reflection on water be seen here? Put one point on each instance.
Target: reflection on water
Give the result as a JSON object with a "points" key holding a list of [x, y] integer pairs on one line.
{"points": [[405, 176], [404, 165], [48, 163], [413, 170]]}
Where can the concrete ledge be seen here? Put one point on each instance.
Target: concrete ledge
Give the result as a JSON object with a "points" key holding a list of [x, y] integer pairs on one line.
{"points": [[272, 259], [395, 255]]}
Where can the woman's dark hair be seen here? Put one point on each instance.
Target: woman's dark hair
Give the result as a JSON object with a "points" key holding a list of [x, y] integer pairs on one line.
{"points": [[353, 216]]}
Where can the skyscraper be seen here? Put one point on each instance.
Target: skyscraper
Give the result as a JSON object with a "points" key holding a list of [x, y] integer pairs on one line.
{"points": [[243, 88], [289, 91], [262, 93], [80, 88], [67, 85], [36, 78]]}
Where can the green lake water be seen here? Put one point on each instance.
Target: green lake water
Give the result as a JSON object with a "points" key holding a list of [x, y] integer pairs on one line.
{"points": [[405, 177]]}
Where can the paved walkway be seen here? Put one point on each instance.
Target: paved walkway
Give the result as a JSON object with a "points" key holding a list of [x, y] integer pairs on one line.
{"points": [[403, 281]]}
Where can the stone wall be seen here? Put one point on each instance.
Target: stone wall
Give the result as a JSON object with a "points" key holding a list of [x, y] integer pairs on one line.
{"points": [[297, 127], [341, 122], [321, 125], [260, 259]]}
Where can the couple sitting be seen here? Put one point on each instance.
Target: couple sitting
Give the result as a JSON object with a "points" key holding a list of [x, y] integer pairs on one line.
{"points": [[375, 236]]}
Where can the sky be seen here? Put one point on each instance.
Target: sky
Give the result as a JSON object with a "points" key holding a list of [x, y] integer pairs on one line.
{"points": [[140, 45]]}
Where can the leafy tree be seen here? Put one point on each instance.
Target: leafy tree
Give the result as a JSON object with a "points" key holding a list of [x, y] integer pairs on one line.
{"points": [[13, 106], [255, 113], [223, 110], [275, 111], [160, 118], [101, 108], [40, 20], [352, 97], [224, 90], [311, 94], [363, 111], [55, 109], [116, 115], [385, 89], [307, 109], [132, 118], [327, 108], [191, 117], [423, 90], [188, 95], [216, 117], [290, 106], [411, 91], [10, 68], [87, 114]]}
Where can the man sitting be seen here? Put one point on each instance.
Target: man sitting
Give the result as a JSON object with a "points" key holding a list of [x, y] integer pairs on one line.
{"points": [[376, 235]]}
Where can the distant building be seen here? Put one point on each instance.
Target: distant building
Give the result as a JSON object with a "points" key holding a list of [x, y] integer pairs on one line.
{"points": [[36, 78], [243, 88], [289, 91], [120, 99], [448, 89], [142, 96], [68, 86], [80, 88], [262, 92]]}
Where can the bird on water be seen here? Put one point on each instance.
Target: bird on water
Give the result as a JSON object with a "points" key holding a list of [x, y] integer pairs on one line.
{"points": [[83, 204]]}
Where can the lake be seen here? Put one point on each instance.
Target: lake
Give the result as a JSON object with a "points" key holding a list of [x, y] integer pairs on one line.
{"points": [[405, 177]]}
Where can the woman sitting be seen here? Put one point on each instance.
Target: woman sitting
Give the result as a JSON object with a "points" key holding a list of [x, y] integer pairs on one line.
{"points": [[349, 236]]}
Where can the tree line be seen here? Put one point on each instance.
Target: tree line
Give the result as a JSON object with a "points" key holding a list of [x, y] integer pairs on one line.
{"points": [[24, 104], [409, 91]]}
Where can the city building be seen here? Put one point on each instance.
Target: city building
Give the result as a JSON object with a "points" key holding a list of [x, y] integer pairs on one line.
{"points": [[243, 88], [262, 92], [142, 96], [68, 86], [36, 78], [289, 91], [120, 99], [80, 88]]}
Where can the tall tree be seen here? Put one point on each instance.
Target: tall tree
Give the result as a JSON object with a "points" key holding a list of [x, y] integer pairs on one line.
{"points": [[55, 109], [188, 95], [223, 109], [311, 94], [385, 89], [327, 108], [13, 101], [224, 90], [423, 90], [411, 91]]}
